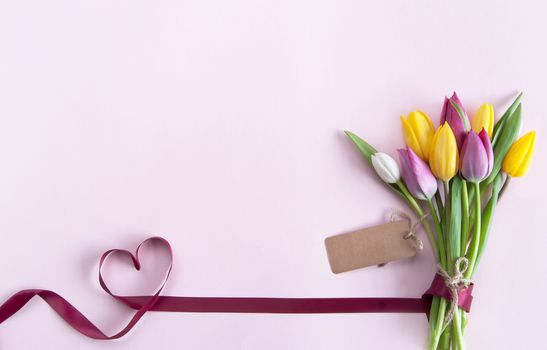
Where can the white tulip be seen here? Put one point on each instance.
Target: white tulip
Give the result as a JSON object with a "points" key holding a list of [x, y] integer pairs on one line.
{"points": [[386, 167]]}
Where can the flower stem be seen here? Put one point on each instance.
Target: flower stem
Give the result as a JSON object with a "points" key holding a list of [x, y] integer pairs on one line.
{"points": [[465, 218], [457, 334], [474, 248], [419, 211], [463, 321], [446, 191], [438, 337], [445, 339], [440, 239], [436, 332], [465, 238], [439, 201]]}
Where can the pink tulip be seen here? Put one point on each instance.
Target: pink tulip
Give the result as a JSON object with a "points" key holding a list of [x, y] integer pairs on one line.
{"points": [[459, 123], [477, 157], [417, 175]]}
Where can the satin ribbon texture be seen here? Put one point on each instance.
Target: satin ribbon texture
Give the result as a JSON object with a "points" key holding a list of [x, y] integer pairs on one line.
{"points": [[156, 302]]}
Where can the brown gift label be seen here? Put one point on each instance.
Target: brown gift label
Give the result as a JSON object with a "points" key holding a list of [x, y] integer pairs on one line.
{"points": [[370, 246]]}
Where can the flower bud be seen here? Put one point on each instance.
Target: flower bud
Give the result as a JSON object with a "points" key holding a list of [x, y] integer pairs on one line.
{"points": [[454, 114], [386, 167], [477, 156], [518, 159], [444, 158], [416, 175]]}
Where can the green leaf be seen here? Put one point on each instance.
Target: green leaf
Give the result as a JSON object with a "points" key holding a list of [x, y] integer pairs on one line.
{"points": [[507, 135], [501, 122], [487, 215], [366, 149], [453, 232]]}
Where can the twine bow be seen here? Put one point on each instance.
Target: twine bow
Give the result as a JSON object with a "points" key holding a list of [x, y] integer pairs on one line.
{"points": [[454, 284]]}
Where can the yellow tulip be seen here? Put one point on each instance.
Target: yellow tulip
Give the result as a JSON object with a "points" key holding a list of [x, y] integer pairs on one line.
{"points": [[518, 159], [484, 119], [444, 157], [418, 132]]}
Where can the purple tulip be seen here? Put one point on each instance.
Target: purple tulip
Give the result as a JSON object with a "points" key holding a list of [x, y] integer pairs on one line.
{"points": [[477, 157], [417, 175], [459, 123]]}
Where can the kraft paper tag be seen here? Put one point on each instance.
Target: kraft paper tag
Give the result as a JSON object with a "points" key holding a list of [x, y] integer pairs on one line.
{"points": [[370, 246]]}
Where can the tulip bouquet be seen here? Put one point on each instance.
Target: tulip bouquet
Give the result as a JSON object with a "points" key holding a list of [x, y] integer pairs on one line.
{"points": [[453, 178]]}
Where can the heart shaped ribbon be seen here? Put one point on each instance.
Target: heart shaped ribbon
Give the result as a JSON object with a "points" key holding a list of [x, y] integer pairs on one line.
{"points": [[155, 302]]}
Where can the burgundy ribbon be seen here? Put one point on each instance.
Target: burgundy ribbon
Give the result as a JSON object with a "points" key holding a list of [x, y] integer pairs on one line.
{"points": [[156, 302]]}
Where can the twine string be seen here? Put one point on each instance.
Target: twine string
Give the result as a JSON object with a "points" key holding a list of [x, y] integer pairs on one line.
{"points": [[455, 284], [412, 227]]}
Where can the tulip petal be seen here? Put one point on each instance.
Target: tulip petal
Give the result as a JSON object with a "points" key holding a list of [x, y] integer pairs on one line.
{"points": [[454, 114], [443, 111], [410, 137], [443, 158], [484, 118], [474, 160], [386, 167], [527, 159], [416, 175], [424, 130], [487, 144], [517, 160], [407, 174]]}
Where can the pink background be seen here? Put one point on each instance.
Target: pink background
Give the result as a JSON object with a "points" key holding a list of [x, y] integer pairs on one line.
{"points": [[219, 126]]}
